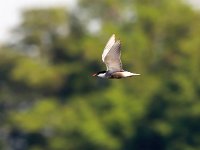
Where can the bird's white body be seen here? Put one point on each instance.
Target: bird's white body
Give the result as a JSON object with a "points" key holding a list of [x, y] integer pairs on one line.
{"points": [[122, 74], [111, 57]]}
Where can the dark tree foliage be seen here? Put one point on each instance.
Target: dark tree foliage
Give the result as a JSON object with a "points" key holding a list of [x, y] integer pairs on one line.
{"points": [[49, 101]]}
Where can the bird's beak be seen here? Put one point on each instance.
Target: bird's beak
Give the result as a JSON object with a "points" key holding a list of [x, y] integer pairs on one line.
{"points": [[94, 75]]}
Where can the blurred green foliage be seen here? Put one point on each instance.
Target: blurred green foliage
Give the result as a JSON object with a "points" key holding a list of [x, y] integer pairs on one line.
{"points": [[49, 101]]}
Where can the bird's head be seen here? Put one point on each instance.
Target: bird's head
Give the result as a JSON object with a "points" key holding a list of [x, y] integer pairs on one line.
{"points": [[99, 74]]}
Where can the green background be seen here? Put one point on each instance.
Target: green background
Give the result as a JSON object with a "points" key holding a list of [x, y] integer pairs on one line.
{"points": [[49, 101]]}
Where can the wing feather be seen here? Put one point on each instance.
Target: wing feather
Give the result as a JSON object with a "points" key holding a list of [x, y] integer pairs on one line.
{"points": [[108, 46], [112, 59]]}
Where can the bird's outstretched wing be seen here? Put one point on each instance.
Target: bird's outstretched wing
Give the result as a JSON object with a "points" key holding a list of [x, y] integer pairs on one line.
{"points": [[108, 46], [112, 58]]}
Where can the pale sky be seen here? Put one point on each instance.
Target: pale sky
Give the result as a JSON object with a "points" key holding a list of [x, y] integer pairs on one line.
{"points": [[196, 3], [10, 11]]}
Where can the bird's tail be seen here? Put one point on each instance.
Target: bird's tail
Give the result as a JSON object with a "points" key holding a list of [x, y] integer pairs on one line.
{"points": [[135, 74]]}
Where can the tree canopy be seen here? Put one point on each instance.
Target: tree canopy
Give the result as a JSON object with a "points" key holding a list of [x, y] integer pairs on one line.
{"points": [[49, 101]]}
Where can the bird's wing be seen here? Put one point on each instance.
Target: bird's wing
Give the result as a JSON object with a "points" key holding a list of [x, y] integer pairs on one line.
{"points": [[108, 46], [112, 59]]}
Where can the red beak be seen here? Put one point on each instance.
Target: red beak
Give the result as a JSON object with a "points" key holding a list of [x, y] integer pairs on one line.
{"points": [[94, 75]]}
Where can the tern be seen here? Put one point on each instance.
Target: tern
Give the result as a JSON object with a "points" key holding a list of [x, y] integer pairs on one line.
{"points": [[111, 57]]}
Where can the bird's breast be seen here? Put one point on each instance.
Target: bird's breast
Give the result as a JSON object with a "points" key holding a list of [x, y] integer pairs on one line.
{"points": [[116, 75], [121, 74]]}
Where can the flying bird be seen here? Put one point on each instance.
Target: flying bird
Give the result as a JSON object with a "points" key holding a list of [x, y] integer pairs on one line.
{"points": [[111, 57]]}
